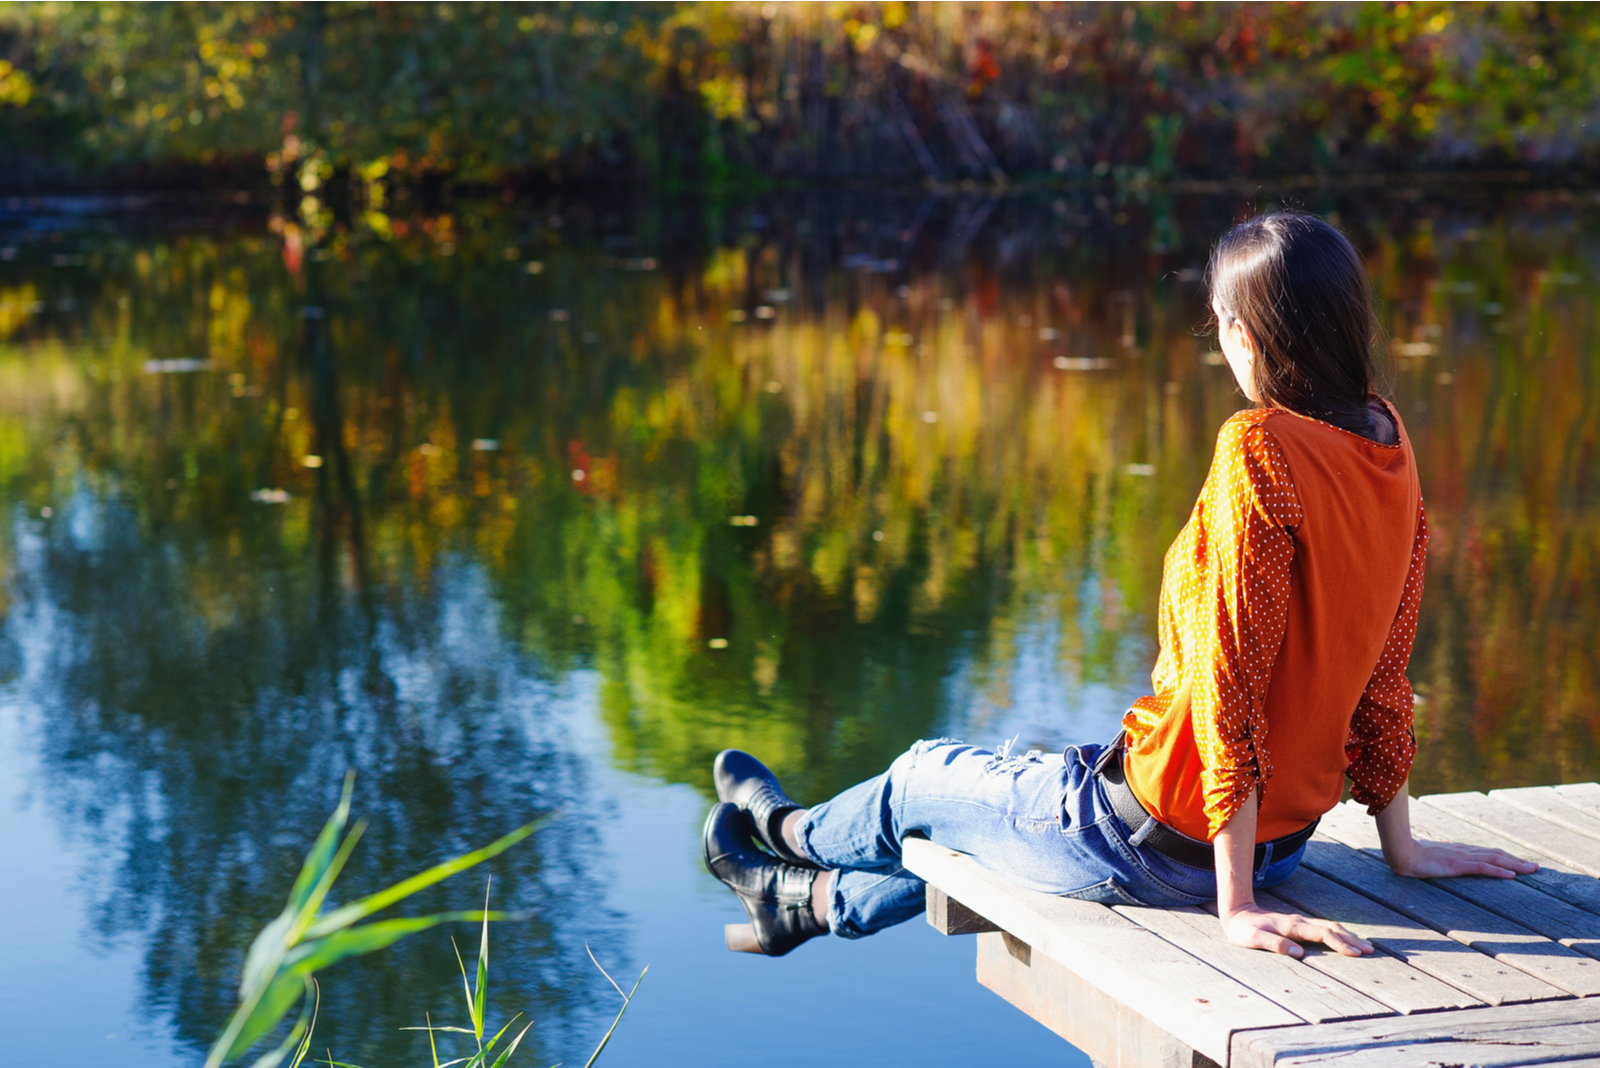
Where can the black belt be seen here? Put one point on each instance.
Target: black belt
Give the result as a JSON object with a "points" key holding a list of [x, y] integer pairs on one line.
{"points": [[1145, 830]]}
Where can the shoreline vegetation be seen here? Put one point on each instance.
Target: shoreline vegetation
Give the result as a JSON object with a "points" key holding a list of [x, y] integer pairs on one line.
{"points": [[307, 937], [341, 105]]}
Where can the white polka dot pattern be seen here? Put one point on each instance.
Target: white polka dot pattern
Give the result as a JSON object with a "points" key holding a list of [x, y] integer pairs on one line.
{"points": [[1382, 741], [1223, 613]]}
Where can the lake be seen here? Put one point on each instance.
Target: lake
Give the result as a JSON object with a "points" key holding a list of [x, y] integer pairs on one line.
{"points": [[522, 509]]}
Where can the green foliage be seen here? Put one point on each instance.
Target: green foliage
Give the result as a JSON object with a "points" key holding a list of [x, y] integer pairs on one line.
{"points": [[721, 92], [303, 940]]}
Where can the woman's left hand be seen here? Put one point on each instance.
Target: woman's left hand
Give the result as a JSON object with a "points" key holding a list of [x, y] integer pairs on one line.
{"points": [[1434, 860]]}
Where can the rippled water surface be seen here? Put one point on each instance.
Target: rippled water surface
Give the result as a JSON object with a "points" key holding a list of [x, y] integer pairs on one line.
{"points": [[521, 511]]}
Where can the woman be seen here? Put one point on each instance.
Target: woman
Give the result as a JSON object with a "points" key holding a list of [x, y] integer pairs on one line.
{"points": [[1287, 613]]}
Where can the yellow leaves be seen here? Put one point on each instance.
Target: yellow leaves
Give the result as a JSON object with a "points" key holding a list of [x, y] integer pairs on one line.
{"points": [[1439, 22], [894, 15], [17, 306], [861, 34], [16, 88], [724, 96]]}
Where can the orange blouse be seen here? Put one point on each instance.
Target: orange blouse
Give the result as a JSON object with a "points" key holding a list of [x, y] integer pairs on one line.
{"points": [[1287, 614]]}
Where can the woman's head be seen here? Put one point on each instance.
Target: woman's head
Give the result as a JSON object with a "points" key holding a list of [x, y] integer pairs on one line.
{"points": [[1294, 311]]}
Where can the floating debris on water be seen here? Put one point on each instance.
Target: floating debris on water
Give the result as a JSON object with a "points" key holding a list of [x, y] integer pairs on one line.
{"points": [[311, 461], [1141, 470], [485, 444], [175, 367], [743, 521], [270, 496], [718, 643], [1084, 363]]}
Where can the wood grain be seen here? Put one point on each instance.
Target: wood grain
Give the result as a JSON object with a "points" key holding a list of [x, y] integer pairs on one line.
{"points": [[1560, 1031], [1309, 993], [1515, 899], [1487, 980], [1522, 827], [1505, 940], [1197, 1004]]}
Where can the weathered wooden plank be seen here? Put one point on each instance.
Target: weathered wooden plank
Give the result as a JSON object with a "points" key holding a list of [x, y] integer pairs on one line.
{"points": [[950, 917], [1559, 1031], [1506, 940], [1522, 827], [1382, 977], [1477, 974], [1584, 795], [1305, 991], [1515, 899], [1553, 877], [1199, 1005], [1112, 1034], [1543, 801]]}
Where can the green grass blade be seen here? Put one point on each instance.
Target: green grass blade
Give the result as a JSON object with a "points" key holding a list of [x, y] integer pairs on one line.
{"points": [[298, 1039], [483, 966], [305, 1044], [322, 850], [489, 1045], [441, 1030], [318, 954], [506, 1056], [274, 1001], [348, 914], [308, 910], [627, 999], [466, 988]]}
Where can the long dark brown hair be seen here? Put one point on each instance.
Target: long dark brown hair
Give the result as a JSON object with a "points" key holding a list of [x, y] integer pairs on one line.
{"points": [[1302, 293]]}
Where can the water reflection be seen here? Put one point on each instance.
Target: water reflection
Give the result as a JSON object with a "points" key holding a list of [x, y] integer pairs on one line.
{"points": [[814, 480]]}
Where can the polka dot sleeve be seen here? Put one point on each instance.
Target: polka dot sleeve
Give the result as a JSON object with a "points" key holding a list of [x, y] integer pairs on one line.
{"points": [[1251, 511], [1223, 614], [1382, 743]]}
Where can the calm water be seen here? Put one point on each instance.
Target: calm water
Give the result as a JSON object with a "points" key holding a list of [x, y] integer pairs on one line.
{"points": [[535, 510]]}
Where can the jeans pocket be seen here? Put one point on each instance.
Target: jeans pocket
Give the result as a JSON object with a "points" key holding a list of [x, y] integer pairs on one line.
{"points": [[1109, 892]]}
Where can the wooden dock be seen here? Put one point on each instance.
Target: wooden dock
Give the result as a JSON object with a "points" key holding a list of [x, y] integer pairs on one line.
{"points": [[1469, 971]]}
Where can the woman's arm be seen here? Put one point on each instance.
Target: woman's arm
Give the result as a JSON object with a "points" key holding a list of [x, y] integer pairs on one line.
{"points": [[1429, 860], [1248, 924]]}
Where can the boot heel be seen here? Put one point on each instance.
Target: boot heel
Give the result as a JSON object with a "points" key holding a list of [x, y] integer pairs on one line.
{"points": [[741, 938]]}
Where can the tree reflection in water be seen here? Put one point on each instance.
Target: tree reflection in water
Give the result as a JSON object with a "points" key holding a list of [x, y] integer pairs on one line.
{"points": [[904, 463]]}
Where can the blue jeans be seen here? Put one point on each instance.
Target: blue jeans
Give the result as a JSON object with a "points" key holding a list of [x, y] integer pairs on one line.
{"points": [[1040, 821]]}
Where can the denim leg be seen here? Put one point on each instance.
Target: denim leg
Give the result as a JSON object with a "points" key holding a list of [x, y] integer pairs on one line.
{"points": [[868, 901], [1038, 820]]}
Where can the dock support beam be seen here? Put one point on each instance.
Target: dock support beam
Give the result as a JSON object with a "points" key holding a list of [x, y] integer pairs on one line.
{"points": [[1113, 1035]]}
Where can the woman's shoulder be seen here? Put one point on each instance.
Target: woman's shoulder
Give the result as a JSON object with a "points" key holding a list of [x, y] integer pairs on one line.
{"points": [[1244, 430]]}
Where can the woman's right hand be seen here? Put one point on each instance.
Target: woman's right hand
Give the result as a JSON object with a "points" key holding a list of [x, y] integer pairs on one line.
{"points": [[1254, 927], [1436, 860]]}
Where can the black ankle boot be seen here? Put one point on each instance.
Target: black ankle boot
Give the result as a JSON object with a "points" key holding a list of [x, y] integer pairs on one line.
{"points": [[744, 781], [776, 896]]}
